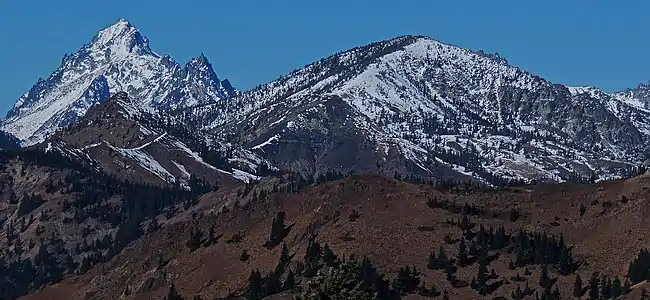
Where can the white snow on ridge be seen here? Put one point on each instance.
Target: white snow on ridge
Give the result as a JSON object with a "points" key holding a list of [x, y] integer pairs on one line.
{"points": [[150, 142], [576, 90], [268, 142], [241, 175], [147, 162], [90, 146], [244, 176], [185, 174], [194, 155]]}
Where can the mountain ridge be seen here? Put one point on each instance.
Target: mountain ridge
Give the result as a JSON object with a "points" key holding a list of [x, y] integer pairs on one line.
{"points": [[418, 78], [117, 59], [413, 105]]}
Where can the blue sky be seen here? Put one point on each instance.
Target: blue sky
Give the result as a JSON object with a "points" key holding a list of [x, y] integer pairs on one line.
{"points": [[576, 42]]}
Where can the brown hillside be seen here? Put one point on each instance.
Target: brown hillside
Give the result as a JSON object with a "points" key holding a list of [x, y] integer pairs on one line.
{"points": [[389, 231]]}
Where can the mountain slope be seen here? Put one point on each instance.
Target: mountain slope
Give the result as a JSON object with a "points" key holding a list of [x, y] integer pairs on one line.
{"points": [[117, 59], [134, 145], [436, 105], [394, 223]]}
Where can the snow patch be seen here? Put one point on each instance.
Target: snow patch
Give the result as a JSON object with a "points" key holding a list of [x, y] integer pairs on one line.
{"points": [[268, 142]]}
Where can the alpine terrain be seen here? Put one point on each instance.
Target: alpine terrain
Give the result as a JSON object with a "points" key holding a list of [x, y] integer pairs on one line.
{"points": [[403, 169], [117, 59], [417, 107]]}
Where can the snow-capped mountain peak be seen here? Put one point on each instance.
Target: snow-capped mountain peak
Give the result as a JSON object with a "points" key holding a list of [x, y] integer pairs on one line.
{"points": [[121, 39], [118, 58], [414, 101]]}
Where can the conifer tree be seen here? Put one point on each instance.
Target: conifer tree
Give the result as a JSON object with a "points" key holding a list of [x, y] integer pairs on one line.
{"points": [[442, 258], [211, 234], [400, 283], [605, 288], [565, 261], [244, 256], [577, 286], [462, 253], [329, 258], [172, 293], [627, 286], [278, 229], [617, 288], [284, 254], [639, 267], [544, 280], [517, 294], [450, 270], [432, 262], [465, 223], [482, 276], [594, 283], [290, 282], [254, 291]]}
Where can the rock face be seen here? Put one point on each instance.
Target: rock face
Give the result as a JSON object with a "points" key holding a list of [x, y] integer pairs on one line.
{"points": [[138, 146], [415, 106], [117, 59], [409, 106]]}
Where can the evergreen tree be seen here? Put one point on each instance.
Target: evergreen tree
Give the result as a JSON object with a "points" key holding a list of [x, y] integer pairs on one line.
{"points": [[312, 257], [565, 261], [314, 251], [482, 276], [254, 291], [211, 234], [617, 288], [290, 282], [556, 293], [450, 270], [462, 253], [284, 254], [517, 294], [639, 267], [329, 258], [577, 286], [465, 223], [344, 281], [605, 288], [278, 229], [527, 290], [194, 241], [432, 262], [544, 280], [400, 283], [442, 258], [172, 293], [594, 283], [406, 281], [627, 286], [514, 215], [244, 256]]}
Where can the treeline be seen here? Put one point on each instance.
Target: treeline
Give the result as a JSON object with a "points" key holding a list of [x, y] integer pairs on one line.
{"points": [[333, 277], [91, 196]]}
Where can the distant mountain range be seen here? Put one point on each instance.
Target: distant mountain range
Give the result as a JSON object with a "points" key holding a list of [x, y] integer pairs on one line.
{"points": [[125, 175], [408, 107]]}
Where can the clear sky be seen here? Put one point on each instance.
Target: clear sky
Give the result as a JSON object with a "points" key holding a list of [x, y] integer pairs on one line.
{"points": [[577, 42]]}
